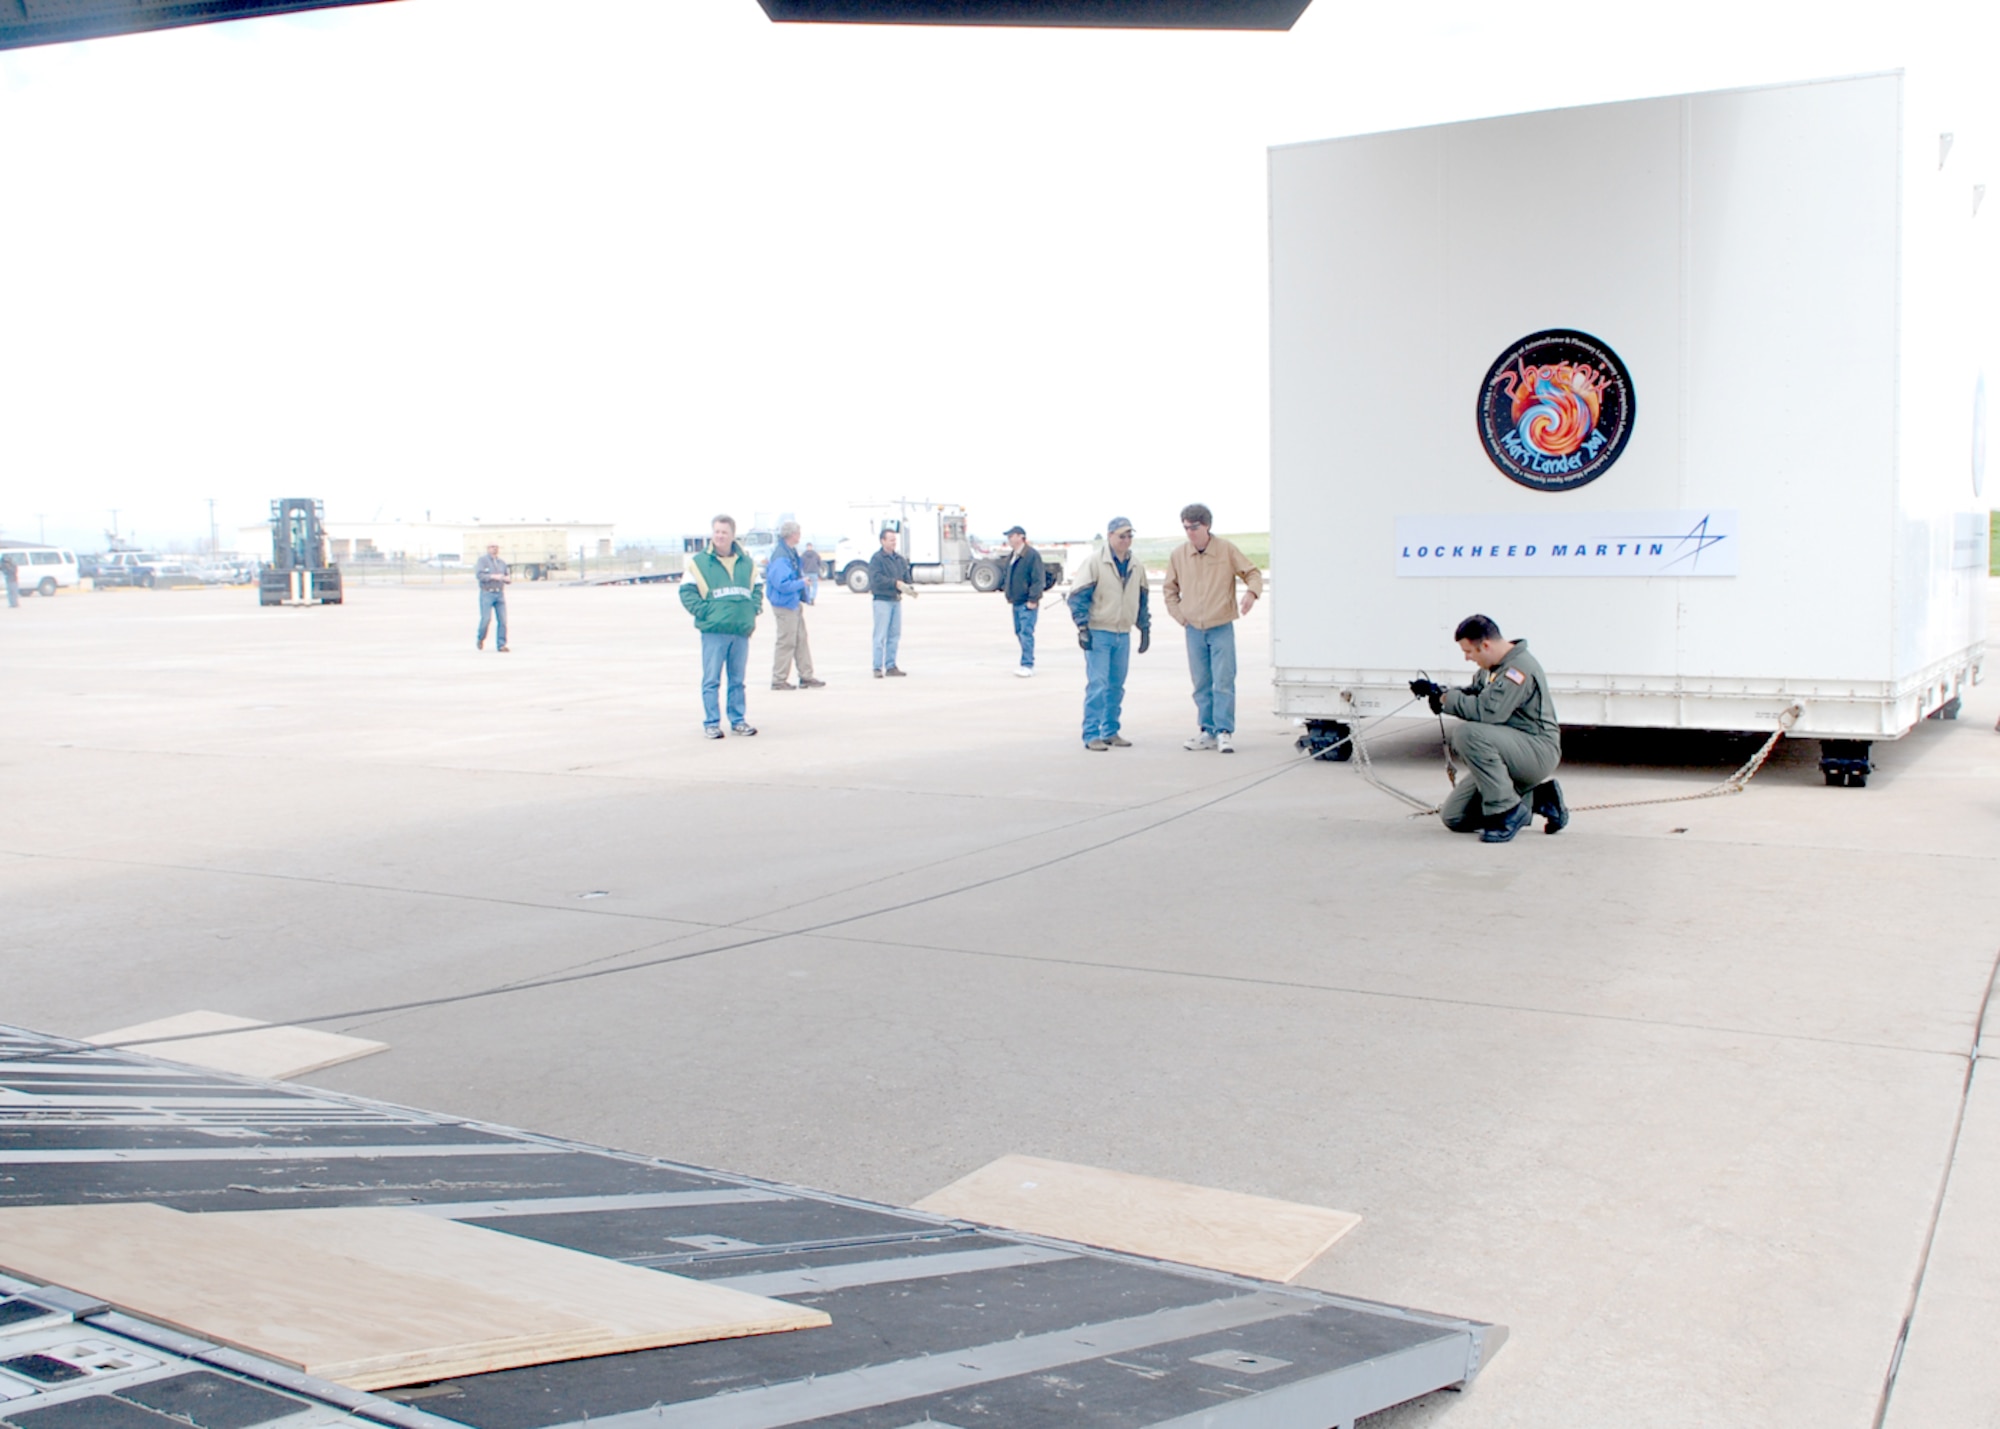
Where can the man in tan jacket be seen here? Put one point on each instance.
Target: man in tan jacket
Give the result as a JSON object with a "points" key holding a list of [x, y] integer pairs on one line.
{"points": [[1200, 593], [1109, 599]]}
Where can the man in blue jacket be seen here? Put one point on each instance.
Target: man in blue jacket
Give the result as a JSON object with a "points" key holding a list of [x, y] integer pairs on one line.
{"points": [[721, 591], [790, 590]]}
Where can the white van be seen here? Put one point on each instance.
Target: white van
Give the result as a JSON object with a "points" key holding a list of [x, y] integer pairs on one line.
{"points": [[42, 569]]}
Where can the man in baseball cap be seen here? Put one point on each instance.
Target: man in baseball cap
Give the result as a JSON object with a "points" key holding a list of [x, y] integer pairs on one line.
{"points": [[1023, 587], [1109, 599]]}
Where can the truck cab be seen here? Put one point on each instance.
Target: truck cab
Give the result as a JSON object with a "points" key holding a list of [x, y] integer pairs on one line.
{"points": [[932, 537]]}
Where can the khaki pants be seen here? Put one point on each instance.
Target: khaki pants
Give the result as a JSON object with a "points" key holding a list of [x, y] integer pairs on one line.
{"points": [[792, 645], [1505, 764]]}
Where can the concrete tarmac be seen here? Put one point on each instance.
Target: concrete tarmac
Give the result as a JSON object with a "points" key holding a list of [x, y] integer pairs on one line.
{"points": [[1674, 1095]]}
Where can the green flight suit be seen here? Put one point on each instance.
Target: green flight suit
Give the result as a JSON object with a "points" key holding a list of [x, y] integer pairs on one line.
{"points": [[1509, 738]]}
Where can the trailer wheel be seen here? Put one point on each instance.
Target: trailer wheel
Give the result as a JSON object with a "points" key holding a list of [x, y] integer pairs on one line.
{"points": [[1845, 763], [855, 578], [1327, 739], [985, 577]]}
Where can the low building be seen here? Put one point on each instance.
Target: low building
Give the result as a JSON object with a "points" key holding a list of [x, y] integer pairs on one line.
{"points": [[543, 543]]}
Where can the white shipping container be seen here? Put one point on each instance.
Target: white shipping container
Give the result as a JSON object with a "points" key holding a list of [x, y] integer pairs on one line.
{"points": [[1685, 390]]}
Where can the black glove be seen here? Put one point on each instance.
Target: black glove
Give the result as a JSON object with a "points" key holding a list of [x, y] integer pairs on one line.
{"points": [[1421, 687], [1083, 637], [1437, 699], [1145, 641]]}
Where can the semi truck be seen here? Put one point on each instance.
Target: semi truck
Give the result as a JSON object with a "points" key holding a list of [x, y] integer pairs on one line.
{"points": [[1699, 409], [933, 537]]}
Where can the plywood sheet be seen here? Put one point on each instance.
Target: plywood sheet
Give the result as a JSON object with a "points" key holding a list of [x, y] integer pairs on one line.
{"points": [[1166, 1220], [374, 1297], [224, 1043]]}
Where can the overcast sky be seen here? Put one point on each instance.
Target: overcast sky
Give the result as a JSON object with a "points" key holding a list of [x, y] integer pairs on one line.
{"points": [[639, 261]]}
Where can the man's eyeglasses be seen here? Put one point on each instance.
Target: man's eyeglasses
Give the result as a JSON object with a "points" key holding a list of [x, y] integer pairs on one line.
{"points": [[1193, 525]]}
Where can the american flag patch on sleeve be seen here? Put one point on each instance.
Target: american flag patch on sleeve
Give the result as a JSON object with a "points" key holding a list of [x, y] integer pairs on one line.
{"points": [[1517, 677]]}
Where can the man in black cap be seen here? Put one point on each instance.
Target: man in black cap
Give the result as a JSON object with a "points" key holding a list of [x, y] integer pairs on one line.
{"points": [[1024, 585]]}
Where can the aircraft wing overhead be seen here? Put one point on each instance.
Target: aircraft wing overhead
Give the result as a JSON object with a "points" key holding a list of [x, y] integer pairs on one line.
{"points": [[50, 22], [1119, 14]]}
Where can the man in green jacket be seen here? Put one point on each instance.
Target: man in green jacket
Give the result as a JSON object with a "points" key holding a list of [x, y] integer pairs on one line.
{"points": [[721, 591], [1508, 737]]}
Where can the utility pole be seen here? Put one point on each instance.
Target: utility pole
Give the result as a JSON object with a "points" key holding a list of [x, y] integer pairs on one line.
{"points": [[42, 520], [213, 543], [113, 532]]}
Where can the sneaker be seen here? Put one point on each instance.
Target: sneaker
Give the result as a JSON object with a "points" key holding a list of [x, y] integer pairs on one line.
{"points": [[1222, 744], [1097, 745], [1119, 741], [783, 685], [502, 650], [1024, 672], [480, 643], [1204, 740], [892, 670], [1547, 801], [878, 674], [743, 729], [1501, 828], [809, 683], [711, 731]]}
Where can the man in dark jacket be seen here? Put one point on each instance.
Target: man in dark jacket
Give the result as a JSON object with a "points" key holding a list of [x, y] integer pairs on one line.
{"points": [[1024, 586], [721, 591], [888, 578], [786, 584]]}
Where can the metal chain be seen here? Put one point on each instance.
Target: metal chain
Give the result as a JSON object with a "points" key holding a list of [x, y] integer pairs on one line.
{"points": [[1734, 784]]}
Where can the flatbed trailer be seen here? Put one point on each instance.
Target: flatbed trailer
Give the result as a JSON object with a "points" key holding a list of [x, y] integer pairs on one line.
{"points": [[934, 1321]]}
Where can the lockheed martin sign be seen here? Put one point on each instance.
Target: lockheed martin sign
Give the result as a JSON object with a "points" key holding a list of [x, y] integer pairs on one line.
{"points": [[1575, 543]]}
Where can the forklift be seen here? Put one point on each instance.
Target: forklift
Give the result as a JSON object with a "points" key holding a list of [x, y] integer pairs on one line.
{"points": [[299, 573]]}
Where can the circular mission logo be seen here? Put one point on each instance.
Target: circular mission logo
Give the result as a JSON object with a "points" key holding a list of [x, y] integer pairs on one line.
{"points": [[1555, 410]]}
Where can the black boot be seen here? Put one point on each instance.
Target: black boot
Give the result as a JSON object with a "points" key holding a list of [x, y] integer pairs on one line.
{"points": [[1501, 828], [1548, 804]]}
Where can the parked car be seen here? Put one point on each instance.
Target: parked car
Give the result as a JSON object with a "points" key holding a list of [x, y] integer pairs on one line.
{"points": [[168, 574], [125, 568], [227, 570]]}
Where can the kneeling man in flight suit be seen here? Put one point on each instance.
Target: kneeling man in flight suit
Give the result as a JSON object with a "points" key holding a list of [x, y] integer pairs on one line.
{"points": [[1507, 737]]}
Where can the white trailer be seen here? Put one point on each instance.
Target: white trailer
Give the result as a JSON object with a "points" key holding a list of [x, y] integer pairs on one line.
{"points": [[1685, 390]]}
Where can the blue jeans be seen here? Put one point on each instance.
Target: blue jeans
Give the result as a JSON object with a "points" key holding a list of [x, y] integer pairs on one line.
{"points": [[493, 608], [720, 653], [1024, 631], [888, 631], [1212, 662], [1104, 667]]}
